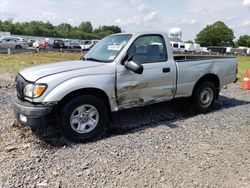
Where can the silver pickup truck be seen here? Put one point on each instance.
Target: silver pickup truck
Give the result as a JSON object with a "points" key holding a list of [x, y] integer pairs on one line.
{"points": [[121, 71]]}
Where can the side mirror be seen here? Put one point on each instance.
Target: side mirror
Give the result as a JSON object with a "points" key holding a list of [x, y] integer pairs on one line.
{"points": [[136, 68]]}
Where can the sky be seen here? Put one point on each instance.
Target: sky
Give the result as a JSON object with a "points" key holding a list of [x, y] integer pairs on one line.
{"points": [[134, 15]]}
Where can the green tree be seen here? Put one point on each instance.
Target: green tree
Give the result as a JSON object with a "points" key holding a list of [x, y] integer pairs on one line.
{"points": [[86, 27], [244, 40], [64, 30], [189, 41], [217, 34]]}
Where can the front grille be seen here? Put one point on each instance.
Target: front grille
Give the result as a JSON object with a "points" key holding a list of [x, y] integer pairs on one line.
{"points": [[20, 84]]}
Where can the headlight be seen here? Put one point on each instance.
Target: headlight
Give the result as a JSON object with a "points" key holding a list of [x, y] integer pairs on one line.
{"points": [[28, 90], [34, 90]]}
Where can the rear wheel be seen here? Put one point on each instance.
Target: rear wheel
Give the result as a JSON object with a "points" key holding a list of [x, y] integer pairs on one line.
{"points": [[83, 118], [18, 47], [204, 97]]}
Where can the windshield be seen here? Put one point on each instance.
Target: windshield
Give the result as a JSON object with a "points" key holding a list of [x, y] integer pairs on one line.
{"points": [[108, 48]]}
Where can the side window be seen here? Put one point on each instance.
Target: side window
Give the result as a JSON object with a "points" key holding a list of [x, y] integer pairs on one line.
{"points": [[175, 45], [148, 49], [13, 40]]}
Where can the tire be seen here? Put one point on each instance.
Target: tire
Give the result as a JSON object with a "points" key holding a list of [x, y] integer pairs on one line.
{"points": [[18, 47], [204, 97], [83, 118], [61, 46]]}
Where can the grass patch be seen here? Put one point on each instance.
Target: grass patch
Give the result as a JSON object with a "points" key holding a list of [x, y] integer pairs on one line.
{"points": [[15, 62]]}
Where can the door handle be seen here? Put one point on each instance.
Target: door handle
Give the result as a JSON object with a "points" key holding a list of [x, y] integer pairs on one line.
{"points": [[165, 70]]}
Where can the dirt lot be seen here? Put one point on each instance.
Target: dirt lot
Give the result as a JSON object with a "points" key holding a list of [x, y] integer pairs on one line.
{"points": [[163, 145]]}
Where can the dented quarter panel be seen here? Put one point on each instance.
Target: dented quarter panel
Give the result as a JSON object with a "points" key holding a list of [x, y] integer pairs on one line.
{"points": [[151, 86]]}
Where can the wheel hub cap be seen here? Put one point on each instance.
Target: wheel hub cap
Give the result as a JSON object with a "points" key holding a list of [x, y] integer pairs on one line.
{"points": [[206, 97], [84, 118]]}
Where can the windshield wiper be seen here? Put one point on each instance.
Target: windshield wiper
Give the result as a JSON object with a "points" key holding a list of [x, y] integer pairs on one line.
{"points": [[92, 59]]}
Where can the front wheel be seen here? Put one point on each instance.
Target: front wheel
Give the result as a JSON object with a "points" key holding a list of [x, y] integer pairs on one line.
{"points": [[204, 97], [18, 47], [83, 118]]}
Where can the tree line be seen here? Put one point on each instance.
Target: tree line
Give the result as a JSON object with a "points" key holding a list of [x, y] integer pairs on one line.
{"points": [[217, 34], [45, 29]]}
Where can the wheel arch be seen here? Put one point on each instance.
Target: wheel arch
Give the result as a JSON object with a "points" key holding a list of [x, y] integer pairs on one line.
{"points": [[86, 91], [209, 77]]}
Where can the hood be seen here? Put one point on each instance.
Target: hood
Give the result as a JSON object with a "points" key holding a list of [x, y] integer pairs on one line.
{"points": [[34, 73]]}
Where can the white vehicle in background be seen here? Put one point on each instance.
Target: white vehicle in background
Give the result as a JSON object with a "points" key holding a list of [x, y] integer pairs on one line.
{"points": [[87, 44], [204, 50], [228, 50], [189, 47], [197, 48], [36, 44], [177, 46], [67, 43], [248, 51]]}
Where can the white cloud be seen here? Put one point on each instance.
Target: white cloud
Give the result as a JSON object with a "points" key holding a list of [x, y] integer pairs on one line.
{"points": [[246, 3], [229, 18], [189, 21], [245, 23], [49, 15], [135, 20], [143, 7], [4, 7], [150, 16]]}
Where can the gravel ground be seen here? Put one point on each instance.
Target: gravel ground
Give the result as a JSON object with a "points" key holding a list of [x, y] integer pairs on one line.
{"points": [[162, 145]]}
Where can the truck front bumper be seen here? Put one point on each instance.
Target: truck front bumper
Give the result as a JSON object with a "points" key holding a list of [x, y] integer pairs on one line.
{"points": [[33, 115]]}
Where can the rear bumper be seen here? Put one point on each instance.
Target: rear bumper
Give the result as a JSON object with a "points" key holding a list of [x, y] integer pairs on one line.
{"points": [[33, 115]]}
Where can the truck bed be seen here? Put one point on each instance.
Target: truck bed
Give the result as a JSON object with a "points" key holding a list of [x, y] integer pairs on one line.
{"points": [[185, 58]]}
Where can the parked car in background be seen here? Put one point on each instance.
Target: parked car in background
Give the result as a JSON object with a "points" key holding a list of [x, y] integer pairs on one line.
{"points": [[197, 48], [67, 43], [36, 44], [31, 42], [178, 46], [43, 45], [189, 47], [58, 43], [217, 49], [13, 43], [248, 51], [204, 50], [74, 45], [88, 44]]}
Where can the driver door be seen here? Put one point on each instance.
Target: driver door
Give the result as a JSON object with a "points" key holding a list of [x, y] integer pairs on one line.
{"points": [[157, 81]]}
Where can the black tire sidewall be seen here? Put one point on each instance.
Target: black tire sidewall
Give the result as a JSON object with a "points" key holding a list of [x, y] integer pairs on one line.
{"points": [[67, 110], [18, 47], [196, 97]]}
